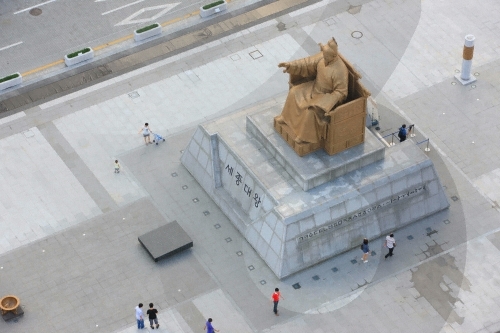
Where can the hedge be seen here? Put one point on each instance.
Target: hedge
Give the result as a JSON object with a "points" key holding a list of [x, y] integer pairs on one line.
{"points": [[213, 4], [9, 77], [74, 54], [149, 27]]}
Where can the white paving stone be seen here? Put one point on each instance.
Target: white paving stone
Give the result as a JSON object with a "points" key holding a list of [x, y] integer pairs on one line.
{"points": [[39, 193]]}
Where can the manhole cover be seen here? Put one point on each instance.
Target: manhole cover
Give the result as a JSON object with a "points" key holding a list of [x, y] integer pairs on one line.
{"points": [[356, 34], [35, 11], [281, 26]]}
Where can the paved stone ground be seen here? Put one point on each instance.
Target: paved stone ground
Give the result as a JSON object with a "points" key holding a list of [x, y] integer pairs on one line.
{"points": [[69, 225]]}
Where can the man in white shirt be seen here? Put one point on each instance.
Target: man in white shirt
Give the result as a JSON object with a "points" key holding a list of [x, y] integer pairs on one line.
{"points": [[139, 316], [390, 242]]}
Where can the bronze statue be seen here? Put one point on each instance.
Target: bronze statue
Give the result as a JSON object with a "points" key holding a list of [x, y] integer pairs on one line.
{"points": [[309, 104]]}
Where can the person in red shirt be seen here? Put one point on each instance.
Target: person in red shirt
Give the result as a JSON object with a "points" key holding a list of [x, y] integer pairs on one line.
{"points": [[276, 298]]}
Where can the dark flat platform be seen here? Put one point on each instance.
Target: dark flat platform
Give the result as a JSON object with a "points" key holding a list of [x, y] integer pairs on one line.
{"points": [[165, 241]]}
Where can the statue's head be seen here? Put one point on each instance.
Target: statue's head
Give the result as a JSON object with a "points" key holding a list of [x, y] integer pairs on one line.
{"points": [[330, 50]]}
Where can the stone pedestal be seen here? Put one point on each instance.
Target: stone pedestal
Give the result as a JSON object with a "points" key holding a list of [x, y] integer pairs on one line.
{"points": [[298, 211]]}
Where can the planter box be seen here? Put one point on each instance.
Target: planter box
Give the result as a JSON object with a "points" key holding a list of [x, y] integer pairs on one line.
{"points": [[147, 34], [79, 58], [214, 10], [12, 82]]}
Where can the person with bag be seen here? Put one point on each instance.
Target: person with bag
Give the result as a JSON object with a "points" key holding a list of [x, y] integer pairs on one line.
{"points": [[390, 243]]}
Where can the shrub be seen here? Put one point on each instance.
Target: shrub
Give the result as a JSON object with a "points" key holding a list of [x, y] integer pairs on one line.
{"points": [[9, 77], [213, 4], [149, 27], [74, 54]]}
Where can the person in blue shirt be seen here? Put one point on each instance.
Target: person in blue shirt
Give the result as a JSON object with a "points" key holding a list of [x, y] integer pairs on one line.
{"points": [[209, 327]]}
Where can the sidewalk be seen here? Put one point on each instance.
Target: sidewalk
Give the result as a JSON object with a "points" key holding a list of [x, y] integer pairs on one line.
{"points": [[65, 213]]}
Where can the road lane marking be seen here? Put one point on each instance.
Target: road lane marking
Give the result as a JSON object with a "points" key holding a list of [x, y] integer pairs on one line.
{"points": [[114, 10], [9, 46], [41, 68], [116, 41], [40, 4], [165, 9]]}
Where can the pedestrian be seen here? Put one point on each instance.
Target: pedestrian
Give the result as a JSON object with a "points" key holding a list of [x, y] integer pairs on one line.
{"points": [[276, 298], [117, 167], [146, 131], [139, 316], [390, 243], [365, 249], [209, 327], [402, 133], [152, 316]]}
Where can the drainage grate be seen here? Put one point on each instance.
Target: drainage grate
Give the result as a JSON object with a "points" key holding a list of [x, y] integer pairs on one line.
{"points": [[353, 261], [251, 267], [446, 221], [228, 240], [184, 187], [255, 54], [454, 198], [296, 286], [263, 282], [335, 269], [410, 237], [239, 253], [133, 94], [315, 278]]}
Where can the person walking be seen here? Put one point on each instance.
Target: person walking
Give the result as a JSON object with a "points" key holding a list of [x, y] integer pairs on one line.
{"points": [[390, 243], [366, 250], [146, 133], [152, 316], [117, 167], [209, 327], [276, 298], [139, 316]]}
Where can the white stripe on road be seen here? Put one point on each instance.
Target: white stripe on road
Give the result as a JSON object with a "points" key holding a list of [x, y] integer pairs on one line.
{"points": [[114, 10], [9, 46], [40, 4]]}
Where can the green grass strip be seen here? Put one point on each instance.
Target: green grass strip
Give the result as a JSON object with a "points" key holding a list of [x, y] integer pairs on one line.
{"points": [[9, 77], [213, 4], [149, 27], [74, 54]]}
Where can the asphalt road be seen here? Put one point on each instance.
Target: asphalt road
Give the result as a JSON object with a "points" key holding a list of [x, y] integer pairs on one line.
{"points": [[35, 33]]}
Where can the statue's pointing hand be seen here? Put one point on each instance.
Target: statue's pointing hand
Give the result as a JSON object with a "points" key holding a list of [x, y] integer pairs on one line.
{"points": [[286, 65]]}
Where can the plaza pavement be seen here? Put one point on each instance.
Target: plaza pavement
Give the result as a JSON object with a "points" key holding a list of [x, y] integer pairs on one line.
{"points": [[69, 225]]}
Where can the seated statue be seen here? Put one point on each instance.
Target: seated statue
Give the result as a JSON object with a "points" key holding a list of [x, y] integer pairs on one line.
{"points": [[307, 107]]}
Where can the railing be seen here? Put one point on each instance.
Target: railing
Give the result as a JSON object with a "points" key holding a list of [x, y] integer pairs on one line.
{"points": [[411, 133]]}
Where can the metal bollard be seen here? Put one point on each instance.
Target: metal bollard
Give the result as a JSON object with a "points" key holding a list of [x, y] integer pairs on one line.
{"points": [[427, 148], [464, 77]]}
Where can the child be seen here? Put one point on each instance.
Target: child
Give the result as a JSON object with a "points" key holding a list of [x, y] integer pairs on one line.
{"points": [[117, 167]]}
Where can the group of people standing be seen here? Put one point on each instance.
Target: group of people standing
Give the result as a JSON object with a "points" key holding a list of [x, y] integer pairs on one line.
{"points": [[152, 315]]}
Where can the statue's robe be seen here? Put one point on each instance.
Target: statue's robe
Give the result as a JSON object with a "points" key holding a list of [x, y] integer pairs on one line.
{"points": [[307, 103]]}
